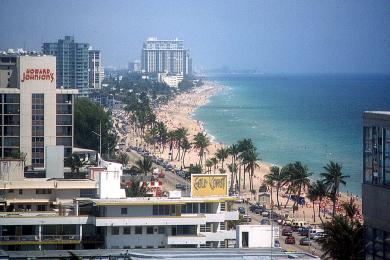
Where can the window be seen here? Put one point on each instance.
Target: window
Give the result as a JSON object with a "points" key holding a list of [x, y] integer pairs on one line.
{"points": [[114, 231], [126, 230], [161, 230], [222, 226], [41, 207], [20, 192], [223, 206], [42, 191], [11, 191], [123, 211], [222, 244], [149, 230], [138, 230], [205, 207], [205, 228]]}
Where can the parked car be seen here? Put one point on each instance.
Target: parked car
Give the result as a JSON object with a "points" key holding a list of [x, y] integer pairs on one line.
{"points": [[241, 210], [161, 175], [265, 221], [290, 240], [258, 211], [265, 213], [277, 243], [287, 232], [305, 241], [179, 186]]}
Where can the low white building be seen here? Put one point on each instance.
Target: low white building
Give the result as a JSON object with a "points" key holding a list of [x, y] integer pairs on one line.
{"points": [[171, 80]]}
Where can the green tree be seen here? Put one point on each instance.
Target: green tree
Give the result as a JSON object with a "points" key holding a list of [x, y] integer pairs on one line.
{"points": [[222, 154], [123, 158], [201, 142], [250, 158], [317, 191], [197, 168], [299, 178], [75, 163], [343, 239], [279, 177], [144, 166], [87, 118], [333, 178], [209, 165], [233, 171], [135, 190]]}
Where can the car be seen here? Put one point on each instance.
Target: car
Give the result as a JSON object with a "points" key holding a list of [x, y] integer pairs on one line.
{"points": [[290, 240], [258, 211], [179, 186], [252, 208], [265, 213], [277, 243], [304, 241], [246, 218], [161, 175], [317, 235], [265, 221], [304, 231], [241, 210], [287, 232]]}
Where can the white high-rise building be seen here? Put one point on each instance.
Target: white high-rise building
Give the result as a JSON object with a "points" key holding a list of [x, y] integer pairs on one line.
{"points": [[165, 56], [96, 71]]}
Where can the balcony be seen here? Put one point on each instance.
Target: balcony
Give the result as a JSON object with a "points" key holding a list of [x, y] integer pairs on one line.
{"points": [[186, 240], [34, 239], [221, 235], [151, 221], [42, 218]]}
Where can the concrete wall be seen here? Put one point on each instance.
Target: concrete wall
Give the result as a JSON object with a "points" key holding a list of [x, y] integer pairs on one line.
{"points": [[132, 211], [134, 240], [376, 204], [259, 235]]}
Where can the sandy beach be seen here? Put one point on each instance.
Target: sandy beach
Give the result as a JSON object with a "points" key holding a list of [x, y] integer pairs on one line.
{"points": [[178, 113]]}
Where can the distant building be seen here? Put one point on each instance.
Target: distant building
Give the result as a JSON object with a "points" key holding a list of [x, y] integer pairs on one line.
{"points": [[171, 80], [376, 183], [134, 66], [72, 63], [165, 56], [34, 113], [96, 71]]}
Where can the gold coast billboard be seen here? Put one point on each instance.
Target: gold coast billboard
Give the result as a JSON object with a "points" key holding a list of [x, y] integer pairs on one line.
{"points": [[204, 185]]}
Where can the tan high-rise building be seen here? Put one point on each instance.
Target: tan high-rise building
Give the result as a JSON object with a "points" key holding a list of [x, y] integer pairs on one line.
{"points": [[34, 114]]}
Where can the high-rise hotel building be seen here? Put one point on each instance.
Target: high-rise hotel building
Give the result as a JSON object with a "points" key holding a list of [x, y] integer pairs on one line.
{"points": [[33, 113], [165, 56], [376, 183], [72, 63]]}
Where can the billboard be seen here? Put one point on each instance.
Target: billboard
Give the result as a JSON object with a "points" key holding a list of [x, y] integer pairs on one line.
{"points": [[205, 185], [37, 71]]}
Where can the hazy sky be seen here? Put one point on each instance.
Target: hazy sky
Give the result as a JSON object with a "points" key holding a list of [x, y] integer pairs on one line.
{"points": [[272, 36]]}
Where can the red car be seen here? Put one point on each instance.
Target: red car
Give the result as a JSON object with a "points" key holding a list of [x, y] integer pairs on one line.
{"points": [[161, 175], [290, 240]]}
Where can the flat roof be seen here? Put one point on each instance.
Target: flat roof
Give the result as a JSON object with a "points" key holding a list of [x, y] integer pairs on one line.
{"points": [[169, 253], [378, 112]]}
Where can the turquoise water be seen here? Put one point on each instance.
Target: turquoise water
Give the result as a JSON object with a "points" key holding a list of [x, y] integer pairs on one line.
{"points": [[310, 118]]}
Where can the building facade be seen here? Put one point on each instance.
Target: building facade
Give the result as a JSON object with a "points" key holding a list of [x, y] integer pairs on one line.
{"points": [[66, 214], [165, 56], [72, 63], [34, 114], [96, 71], [376, 183]]}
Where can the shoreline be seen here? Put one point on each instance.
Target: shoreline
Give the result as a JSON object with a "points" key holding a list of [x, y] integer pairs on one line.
{"points": [[180, 112]]}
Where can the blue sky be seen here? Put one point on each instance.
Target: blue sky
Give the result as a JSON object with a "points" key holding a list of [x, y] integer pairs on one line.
{"points": [[306, 36]]}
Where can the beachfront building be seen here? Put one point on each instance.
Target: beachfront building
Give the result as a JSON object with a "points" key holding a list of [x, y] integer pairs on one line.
{"points": [[376, 183], [96, 71], [93, 212], [171, 80], [72, 63], [165, 56], [33, 113]]}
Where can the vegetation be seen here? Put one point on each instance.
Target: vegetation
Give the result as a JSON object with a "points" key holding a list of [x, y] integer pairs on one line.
{"points": [[144, 165], [87, 118], [135, 190], [201, 142], [123, 158]]}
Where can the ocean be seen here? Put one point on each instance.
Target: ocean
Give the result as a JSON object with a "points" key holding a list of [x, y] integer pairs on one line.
{"points": [[308, 118]]}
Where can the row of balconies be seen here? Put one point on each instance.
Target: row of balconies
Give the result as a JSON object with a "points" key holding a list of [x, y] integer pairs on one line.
{"points": [[44, 239]]}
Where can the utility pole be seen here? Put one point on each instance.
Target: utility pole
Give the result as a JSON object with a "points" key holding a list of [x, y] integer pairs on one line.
{"points": [[100, 137]]}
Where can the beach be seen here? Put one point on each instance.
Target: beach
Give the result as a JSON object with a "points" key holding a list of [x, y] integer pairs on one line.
{"points": [[179, 113]]}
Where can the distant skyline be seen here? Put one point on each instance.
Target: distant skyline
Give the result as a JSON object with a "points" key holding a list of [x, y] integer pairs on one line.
{"points": [[350, 36]]}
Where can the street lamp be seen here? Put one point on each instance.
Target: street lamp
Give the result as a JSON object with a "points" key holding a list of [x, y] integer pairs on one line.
{"points": [[100, 137]]}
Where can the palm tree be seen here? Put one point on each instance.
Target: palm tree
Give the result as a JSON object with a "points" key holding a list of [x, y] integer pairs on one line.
{"points": [[350, 209], [343, 239], [268, 181], [243, 146], [250, 158], [332, 178], [144, 166], [222, 154], [185, 145], [201, 142], [317, 191], [279, 176], [299, 177], [234, 150], [180, 134], [209, 164], [233, 170], [215, 162]]}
